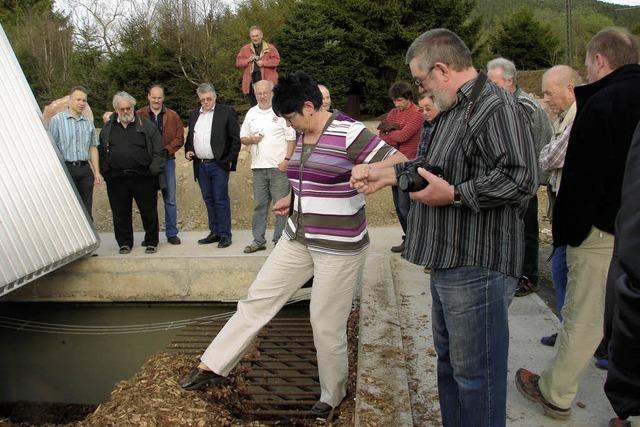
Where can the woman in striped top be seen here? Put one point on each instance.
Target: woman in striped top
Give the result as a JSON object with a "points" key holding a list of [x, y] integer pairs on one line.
{"points": [[325, 238]]}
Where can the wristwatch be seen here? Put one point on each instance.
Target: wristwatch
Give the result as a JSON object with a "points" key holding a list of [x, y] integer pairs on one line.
{"points": [[457, 200]]}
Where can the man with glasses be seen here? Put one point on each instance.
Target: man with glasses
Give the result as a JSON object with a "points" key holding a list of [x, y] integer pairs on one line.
{"points": [[213, 144], [466, 225]]}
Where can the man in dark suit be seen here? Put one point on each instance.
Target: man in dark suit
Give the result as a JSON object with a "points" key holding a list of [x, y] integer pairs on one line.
{"points": [[213, 144]]}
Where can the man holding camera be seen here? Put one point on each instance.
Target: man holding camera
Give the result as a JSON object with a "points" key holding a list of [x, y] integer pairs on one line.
{"points": [[272, 143], [467, 225], [258, 60]]}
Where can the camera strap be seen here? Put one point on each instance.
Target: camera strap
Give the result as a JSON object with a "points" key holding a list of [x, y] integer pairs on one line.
{"points": [[473, 97]]}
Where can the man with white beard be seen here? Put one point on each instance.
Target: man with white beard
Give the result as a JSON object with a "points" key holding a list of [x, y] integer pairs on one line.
{"points": [[132, 159]]}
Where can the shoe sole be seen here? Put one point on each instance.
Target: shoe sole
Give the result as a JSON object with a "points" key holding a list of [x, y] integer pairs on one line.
{"points": [[547, 411], [204, 384], [250, 251]]}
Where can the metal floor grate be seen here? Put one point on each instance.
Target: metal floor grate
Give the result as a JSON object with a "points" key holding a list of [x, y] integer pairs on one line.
{"points": [[283, 377]]}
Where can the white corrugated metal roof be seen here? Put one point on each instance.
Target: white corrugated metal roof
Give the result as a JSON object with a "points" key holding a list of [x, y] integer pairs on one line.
{"points": [[43, 224]]}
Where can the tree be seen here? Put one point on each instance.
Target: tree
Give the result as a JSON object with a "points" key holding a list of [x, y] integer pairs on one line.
{"points": [[357, 47], [527, 42], [42, 42]]}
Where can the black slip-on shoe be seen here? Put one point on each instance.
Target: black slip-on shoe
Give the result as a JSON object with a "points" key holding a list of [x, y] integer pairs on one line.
{"points": [[224, 242], [198, 379], [124, 249], [211, 238], [151, 250]]}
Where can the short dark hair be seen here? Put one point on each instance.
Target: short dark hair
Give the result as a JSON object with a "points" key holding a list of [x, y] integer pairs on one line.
{"points": [[293, 90], [78, 88], [617, 44], [155, 85], [401, 90]]}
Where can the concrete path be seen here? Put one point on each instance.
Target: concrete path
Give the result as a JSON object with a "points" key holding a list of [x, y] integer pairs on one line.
{"points": [[530, 318]]}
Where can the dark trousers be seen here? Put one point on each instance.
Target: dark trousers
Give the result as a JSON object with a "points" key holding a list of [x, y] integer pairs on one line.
{"points": [[402, 202], [214, 185], [530, 266], [82, 177], [144, 190]]}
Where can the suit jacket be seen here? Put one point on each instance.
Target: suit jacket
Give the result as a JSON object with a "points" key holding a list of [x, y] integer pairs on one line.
{"points": [[589, 196], [225, 137]]}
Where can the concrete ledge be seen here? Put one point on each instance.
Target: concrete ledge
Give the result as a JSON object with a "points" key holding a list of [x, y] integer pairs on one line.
{"points": [[122, 279], [382, 396]]}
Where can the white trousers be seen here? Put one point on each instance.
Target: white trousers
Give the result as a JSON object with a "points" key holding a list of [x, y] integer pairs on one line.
{"points": [[288, 267]]}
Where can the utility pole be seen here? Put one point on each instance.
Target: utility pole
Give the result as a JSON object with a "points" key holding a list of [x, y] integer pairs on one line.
{"points": [[568, 33]]}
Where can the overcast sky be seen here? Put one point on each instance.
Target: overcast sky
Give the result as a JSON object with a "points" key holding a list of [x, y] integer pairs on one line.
{"points": [[629, 2]]}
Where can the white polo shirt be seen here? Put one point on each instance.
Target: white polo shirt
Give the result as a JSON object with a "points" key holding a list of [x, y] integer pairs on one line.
{"points": [[272, 149], [202, 134]]}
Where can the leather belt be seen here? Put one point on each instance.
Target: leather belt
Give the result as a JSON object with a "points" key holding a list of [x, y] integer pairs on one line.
{"points": [[207, 160], [76, 162]]}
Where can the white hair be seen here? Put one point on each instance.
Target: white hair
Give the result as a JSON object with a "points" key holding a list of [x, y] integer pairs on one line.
{"points": [[125, 96]]}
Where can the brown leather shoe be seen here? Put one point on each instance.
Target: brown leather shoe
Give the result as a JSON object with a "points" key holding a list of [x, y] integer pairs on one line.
{"points": [[198, 379], [527, 385], [398, 249]]}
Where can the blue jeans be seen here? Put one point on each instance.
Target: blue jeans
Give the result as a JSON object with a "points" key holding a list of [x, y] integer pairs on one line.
{"points": [[214, 185], [559, 272], [169, 197], [269, 185], [471, 338]]}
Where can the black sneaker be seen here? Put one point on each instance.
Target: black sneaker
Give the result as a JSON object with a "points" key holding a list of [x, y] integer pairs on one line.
{"points": [[174, 240], [321, 410], [198, 379], [525, 287]]}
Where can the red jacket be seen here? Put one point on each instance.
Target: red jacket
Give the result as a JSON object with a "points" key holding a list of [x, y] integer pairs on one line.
{"points": [[407, 138], [269, 60], [172, 130]]}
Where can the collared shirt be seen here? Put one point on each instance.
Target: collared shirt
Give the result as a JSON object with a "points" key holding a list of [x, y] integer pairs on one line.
{"points": [[73, 136], [493, 168], [551, 158], [157, 120], [272, 148], [202, 134], [425, 136]]}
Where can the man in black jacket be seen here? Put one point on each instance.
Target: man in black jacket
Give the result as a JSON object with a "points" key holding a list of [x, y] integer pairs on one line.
{"points": [[213, 144], [132, 159], [608, 110]]}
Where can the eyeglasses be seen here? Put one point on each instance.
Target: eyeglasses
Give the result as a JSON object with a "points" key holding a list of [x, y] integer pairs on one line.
{"points": [[418, 82]]}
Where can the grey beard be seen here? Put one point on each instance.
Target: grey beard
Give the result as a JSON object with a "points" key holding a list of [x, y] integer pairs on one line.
{"points": [[126, 118]]}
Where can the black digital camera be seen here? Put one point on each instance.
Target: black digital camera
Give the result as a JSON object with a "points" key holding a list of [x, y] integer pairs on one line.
{"points": [[409, 180]]}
